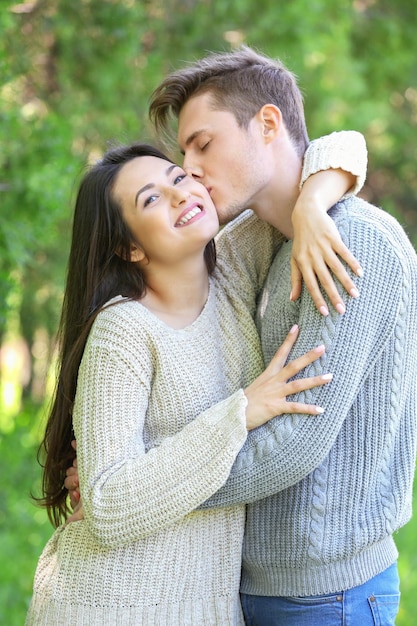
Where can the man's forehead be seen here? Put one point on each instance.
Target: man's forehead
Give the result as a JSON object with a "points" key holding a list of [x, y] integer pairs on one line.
{"points": [[195, 111], [198, 117]]}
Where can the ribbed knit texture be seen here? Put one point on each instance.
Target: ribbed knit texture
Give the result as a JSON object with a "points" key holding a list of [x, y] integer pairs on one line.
{"points": [[345, 148], [151, 450], [345, 477], [152, 445]]}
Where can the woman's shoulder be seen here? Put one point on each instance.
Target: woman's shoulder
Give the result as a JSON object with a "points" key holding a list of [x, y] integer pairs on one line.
{"points": [[121, 322], [121, 335]]}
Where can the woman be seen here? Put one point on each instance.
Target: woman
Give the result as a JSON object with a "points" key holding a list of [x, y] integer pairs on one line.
{"points": [[161, 397]]}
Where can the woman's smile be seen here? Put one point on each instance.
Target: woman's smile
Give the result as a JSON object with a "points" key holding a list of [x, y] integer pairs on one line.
{"points": [[190, 214]]}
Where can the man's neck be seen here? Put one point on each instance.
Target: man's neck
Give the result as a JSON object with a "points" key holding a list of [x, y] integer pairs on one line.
{"points": [[276, 208], [276, 202]]}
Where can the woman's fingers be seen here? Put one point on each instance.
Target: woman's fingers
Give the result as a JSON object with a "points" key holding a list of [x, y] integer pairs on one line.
{"points": [[281, 355], [303, 384], [346, 255], [294, 367], [318, 263], [305, 409], [267, 394]]}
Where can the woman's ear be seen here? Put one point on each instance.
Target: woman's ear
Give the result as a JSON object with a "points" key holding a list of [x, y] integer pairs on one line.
{"points": [[136, 254]]}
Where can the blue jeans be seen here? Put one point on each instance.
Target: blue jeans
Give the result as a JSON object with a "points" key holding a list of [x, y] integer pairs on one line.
{"points": [[375, 603]]}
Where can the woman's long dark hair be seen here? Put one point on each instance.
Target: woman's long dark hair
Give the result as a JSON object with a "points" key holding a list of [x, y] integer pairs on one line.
{"points": [[98, 270]]}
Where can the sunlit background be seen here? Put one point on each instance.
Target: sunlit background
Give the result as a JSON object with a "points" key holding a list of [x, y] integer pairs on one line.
{"points": [[76, 75]]}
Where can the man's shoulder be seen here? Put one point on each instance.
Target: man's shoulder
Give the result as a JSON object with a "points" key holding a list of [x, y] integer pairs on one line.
{"points": [[364, 226], [360, 213], [354, 208], [246, 216]]}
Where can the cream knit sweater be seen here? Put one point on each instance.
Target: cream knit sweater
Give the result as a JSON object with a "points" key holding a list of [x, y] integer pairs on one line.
{"points": [[159, 419]]}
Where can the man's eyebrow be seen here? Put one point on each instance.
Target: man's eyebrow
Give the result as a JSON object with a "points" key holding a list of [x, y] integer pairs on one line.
{"points": [[191, 138], [150, 185]]}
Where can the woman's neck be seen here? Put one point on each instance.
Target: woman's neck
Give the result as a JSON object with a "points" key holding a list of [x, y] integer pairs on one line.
{"points": [[176, 295]]}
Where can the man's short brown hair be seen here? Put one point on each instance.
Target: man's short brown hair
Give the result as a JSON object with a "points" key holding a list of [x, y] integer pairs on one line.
{"points": [[241, 82]]}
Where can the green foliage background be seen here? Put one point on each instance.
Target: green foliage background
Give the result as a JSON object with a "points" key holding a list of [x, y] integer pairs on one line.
{"points": [[75, 75]]}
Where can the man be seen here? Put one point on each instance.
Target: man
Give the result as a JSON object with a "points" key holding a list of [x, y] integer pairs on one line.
{"points": [[326, 494]]}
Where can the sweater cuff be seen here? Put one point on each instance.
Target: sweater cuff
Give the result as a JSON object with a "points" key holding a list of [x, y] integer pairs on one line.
{"points": [[344, 150], [229, 418]]}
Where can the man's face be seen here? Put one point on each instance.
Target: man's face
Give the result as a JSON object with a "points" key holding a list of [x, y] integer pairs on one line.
{"points": [[227, 159]]}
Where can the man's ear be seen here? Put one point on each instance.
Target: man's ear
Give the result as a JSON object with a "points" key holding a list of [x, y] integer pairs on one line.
{"points": [[270, 119]]}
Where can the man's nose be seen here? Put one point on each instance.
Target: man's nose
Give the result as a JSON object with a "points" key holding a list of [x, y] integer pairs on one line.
{"points": [[192, 168]]}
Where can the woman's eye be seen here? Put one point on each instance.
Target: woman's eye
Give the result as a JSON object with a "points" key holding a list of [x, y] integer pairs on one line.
{"points": [[203, 147], [149, 200], [179, 178]]}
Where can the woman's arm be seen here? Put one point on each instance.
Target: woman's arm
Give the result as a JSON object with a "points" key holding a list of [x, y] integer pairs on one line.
{"points": [[334, 166], [129, 491]]}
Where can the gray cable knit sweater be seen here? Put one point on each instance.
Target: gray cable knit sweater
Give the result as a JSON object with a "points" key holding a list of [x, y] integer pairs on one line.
{"points": [[342, 480]]}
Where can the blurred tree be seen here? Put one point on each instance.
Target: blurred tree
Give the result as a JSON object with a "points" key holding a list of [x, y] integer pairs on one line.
{"points": [[77, 75]]}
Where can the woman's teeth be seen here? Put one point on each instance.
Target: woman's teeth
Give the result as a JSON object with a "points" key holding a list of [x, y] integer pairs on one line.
{"points": [[188, 216]]}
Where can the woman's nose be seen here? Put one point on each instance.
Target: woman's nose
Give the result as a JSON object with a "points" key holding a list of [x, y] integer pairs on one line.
{"points": [[179, 195]]}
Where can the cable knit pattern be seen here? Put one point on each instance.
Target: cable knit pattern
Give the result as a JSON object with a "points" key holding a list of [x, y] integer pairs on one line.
{"points": [[318, 511], [342, 480], [152, 445], [400, 335]]}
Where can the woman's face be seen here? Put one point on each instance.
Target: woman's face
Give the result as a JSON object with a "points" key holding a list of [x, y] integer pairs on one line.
{"points": [[170, 215]]}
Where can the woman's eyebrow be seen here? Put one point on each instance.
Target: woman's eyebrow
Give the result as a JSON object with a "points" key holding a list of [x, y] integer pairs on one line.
{"points": [[150, 185]]}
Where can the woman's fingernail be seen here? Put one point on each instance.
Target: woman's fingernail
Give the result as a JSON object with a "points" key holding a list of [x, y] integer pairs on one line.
{"points": [[359, 271], [294, 329], [324, 310], [340, 308], [354, 293], [327, 377], [319, 409]]}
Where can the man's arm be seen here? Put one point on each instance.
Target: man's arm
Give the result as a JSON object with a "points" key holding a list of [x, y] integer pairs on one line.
{"points": [[288, 448]]}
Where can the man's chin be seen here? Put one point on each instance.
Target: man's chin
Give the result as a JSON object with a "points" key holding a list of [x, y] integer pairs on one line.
{"points": [[228, 213]]}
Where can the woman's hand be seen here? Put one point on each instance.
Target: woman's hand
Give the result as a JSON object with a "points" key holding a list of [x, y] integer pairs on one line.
{"points": [[267, 395], [71, 482], [318, 249], [77, 514]]}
